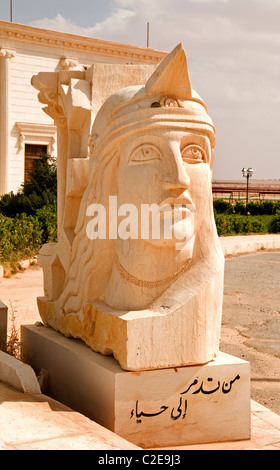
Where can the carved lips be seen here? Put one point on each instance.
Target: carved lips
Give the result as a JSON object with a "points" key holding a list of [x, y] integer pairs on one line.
{"points": [[181, 206]]}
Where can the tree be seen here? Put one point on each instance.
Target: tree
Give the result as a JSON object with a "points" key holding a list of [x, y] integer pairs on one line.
{"points": [[39, 191]]}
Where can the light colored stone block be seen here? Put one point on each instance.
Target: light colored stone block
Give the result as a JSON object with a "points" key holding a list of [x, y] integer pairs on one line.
{"points": [[3, 324], [157, 408], [18, 375]]}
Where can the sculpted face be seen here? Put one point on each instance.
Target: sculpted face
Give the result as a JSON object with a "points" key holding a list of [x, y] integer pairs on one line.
{"points": [[151, 146], [170, 169]]}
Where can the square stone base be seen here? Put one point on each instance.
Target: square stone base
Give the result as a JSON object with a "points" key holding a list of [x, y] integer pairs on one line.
{"points": [[156, 408]]}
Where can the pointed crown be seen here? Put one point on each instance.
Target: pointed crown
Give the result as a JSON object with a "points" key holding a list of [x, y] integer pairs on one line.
{"points": [[166, 99]]}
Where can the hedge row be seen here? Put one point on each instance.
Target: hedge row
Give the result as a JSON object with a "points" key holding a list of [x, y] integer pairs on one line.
{"points": [[28, 218], [22, 236], [231, 224], [266, 207], [237, 218]]}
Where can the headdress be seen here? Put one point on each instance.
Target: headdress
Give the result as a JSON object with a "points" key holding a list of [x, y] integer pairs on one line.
{"points": [[167, 100]]}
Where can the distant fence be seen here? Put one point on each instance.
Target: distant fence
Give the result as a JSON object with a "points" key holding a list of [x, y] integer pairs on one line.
{"points": [[236, 190]]}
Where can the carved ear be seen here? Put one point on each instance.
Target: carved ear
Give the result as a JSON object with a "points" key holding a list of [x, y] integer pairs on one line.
{"points": [[171, 77]]}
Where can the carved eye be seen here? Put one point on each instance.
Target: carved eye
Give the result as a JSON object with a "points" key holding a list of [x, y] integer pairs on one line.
{"points": [[145, 154], [193, 154]]}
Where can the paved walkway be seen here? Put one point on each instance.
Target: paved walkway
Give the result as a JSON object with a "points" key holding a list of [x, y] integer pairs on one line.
{"points": [[20, 293], [38, 422], [265, 433]]}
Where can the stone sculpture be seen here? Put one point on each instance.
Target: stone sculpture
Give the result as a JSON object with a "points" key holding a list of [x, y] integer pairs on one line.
{"points": [[151, 301]]}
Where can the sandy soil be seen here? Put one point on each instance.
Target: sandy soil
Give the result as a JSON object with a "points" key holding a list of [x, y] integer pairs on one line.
{"points": [[251, 316], [19, 293]]}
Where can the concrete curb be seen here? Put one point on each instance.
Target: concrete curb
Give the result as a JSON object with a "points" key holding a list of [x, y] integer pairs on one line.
{"points": [[236, 245]]}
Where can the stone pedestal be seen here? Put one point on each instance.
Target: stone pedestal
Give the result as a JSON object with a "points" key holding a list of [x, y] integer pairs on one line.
{"points": [[156, 408]]}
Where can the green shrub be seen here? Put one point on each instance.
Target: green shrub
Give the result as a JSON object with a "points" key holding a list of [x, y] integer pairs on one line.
{"points": [[274, 226], [28, 219], [234, 224], [47, 219], [223, 207], [22, 236], [40, 191], [261, 207], [240, 208], [223, 224], [265, 207]]}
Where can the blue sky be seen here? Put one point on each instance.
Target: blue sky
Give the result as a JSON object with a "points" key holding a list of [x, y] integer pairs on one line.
{"points": [[83, 12], [233, 51]]}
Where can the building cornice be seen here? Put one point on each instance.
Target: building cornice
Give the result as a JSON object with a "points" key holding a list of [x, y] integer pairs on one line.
{"points": [[73, 42], [36, 132]]}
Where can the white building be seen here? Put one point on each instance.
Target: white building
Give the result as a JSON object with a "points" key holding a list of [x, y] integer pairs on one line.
{"points": [[25, 130]]}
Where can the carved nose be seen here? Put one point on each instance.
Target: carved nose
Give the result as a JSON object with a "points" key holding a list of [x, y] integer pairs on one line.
{"points": [[175, 174]]}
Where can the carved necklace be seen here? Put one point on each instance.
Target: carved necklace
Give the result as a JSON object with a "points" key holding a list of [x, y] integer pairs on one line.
{"points": [[150, 284]]}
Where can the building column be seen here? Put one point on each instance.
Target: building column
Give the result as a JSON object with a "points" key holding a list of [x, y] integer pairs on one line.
{"points": [[5, 56]]}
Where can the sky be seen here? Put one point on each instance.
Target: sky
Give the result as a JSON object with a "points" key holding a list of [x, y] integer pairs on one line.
{"points": [[233, 52]]}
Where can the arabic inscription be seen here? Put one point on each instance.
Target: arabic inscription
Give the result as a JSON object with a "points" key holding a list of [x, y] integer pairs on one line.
{"points": [[180, 411]]}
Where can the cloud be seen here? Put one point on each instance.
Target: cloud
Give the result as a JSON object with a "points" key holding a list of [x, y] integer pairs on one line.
{"points": [[114, 22], [59, 23], [208, 1]]}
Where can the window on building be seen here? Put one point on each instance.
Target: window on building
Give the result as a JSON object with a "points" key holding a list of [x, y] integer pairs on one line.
{"points": [[32, 152]]}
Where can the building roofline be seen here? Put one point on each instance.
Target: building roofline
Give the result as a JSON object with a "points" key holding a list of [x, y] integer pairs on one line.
{"points": [[74, 42]]}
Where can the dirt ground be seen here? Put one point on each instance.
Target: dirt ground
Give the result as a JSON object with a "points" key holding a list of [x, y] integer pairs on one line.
{"points": [[251, 321], [251, 316]]}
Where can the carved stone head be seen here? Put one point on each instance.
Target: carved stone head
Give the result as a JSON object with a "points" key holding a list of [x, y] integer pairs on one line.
{"points": [[151, 148]]}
